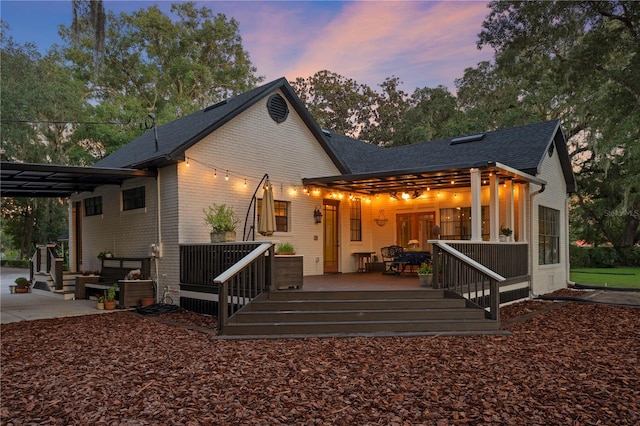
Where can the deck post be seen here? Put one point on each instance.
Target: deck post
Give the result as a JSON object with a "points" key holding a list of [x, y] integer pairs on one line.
{"points": [[476, 205]]}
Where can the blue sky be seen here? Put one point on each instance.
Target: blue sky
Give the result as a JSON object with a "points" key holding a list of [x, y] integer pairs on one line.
{"points": [[424, 43]]}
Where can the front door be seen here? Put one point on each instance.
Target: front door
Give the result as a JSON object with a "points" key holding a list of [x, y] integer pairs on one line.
{"points": [[331, 243]]}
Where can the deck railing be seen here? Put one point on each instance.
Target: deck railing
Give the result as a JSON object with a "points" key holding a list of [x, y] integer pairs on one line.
{"points": [[510, 260], [243, 282], [236, 272], [200, 264], [54, 264], [459, 273]]}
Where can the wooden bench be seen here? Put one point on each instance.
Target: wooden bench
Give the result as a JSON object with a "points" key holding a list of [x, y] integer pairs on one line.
{"points": [[114, 270]]}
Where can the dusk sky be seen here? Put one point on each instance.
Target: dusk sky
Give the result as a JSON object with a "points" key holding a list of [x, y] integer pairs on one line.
{"points": [[424, 43]]}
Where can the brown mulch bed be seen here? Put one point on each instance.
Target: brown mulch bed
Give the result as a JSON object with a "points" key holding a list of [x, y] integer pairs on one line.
{"points": [[575, 364]]}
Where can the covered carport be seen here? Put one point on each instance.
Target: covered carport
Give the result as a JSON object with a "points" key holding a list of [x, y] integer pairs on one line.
{"points": [[31, 180]]}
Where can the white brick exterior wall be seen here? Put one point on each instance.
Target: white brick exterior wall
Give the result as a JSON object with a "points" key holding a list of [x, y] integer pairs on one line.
{"points": [[124, 233], [245, 149], [547, 278], [248, 147]]}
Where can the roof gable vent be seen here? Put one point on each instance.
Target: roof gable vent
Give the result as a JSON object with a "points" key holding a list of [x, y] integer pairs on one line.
{"points": [[278, 109], [466, 139]]}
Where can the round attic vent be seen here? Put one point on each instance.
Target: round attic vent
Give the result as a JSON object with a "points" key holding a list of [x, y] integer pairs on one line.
{"points": [[278, 109]]}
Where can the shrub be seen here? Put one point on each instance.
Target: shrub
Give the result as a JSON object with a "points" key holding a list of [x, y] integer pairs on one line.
{"points": [[603, 257], [13, 263], [579, 257]]}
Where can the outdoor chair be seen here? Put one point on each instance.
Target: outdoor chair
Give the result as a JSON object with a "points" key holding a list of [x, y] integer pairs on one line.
{"points": [[391, 257]]}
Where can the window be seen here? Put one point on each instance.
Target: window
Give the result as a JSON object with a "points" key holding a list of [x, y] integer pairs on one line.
{"points": [[455, 224], [93, 206], [548, 236], [133, 198], [356, 220], [282, 214]]}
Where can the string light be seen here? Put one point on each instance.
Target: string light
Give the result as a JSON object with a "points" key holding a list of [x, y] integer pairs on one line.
{"points": [[227, 176], [245, 182], [187, 161]]}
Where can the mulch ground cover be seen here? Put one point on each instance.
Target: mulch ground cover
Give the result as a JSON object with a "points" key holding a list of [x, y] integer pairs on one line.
{"points": [[563, 364]]}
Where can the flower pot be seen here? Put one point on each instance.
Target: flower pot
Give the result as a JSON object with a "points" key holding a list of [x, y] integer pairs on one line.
{"points": [[223, 237], [426, 280], [22, 290], [110, 305], [503, 238], [12, 289], [146, 301], [100, 305]]}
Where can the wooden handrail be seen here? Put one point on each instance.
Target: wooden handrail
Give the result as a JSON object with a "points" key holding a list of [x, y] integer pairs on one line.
{"points": [[466, 277], [243, 281]]}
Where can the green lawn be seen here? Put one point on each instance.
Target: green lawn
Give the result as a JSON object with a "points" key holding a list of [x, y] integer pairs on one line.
{"points": [[610, 277]]}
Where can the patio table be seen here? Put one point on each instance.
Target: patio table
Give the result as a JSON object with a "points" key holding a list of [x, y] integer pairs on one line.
{"points": [[363, 258]]}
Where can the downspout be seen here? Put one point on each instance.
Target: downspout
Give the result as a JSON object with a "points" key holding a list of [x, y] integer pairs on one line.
{"points": [[159, 223], [531, 251], [567, 255]]}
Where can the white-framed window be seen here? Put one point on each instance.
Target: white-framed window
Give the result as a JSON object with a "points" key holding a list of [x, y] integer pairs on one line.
{"points": [[281, 212], [93, 206], [548, 236], [356, 219], [133, 198]]}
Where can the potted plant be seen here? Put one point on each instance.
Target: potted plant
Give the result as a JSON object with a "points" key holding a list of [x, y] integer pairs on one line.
{"points": [[223, 222], [285, 248], [505, 233], [110, 303], [100, 304], [22, 285], [425, 275], [106, 254]]}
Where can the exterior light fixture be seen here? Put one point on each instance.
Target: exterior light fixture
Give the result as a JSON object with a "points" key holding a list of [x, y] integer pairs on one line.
{"points": [[317, 215], [405, 196]]}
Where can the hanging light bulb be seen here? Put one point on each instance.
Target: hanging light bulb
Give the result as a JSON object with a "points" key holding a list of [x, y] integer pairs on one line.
{"points": [[227, 176], [215, 173], [187, 161], [245, 182]]}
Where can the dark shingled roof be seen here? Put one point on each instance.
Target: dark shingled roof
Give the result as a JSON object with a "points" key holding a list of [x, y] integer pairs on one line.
{"points": [[522, 148], [177, 136], [519, 147]]}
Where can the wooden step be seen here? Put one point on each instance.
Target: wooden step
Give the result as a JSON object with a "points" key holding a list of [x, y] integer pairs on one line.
{"points": [[359, 315], [358, 312], [359, 327]]}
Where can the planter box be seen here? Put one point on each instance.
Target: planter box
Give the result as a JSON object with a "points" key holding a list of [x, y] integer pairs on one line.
{"points": [[131, 291], [288, 271]]}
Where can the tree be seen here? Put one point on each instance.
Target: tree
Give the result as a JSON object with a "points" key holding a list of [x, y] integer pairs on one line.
{"points": [[579, 60], [388, 111], [40, 98], [336, 103], [152, 63], [427, 117]]}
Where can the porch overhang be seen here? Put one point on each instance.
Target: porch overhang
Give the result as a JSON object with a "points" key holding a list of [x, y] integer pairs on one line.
{"points": [[427, 178], [56, 181]]}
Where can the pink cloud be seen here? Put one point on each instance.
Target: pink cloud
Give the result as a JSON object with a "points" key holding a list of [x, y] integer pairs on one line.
{"points": [[424, 43]]}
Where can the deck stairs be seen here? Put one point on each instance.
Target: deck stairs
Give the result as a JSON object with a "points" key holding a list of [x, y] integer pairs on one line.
{"points": [[359, 312], [43, 284]]}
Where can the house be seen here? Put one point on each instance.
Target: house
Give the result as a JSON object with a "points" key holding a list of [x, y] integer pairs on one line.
{"points": [[369, 197]]}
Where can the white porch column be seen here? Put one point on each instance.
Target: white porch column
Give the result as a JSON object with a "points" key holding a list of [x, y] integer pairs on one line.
{"points": [[476, 205], [523, 209], [510, 207], [494, 208]]}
